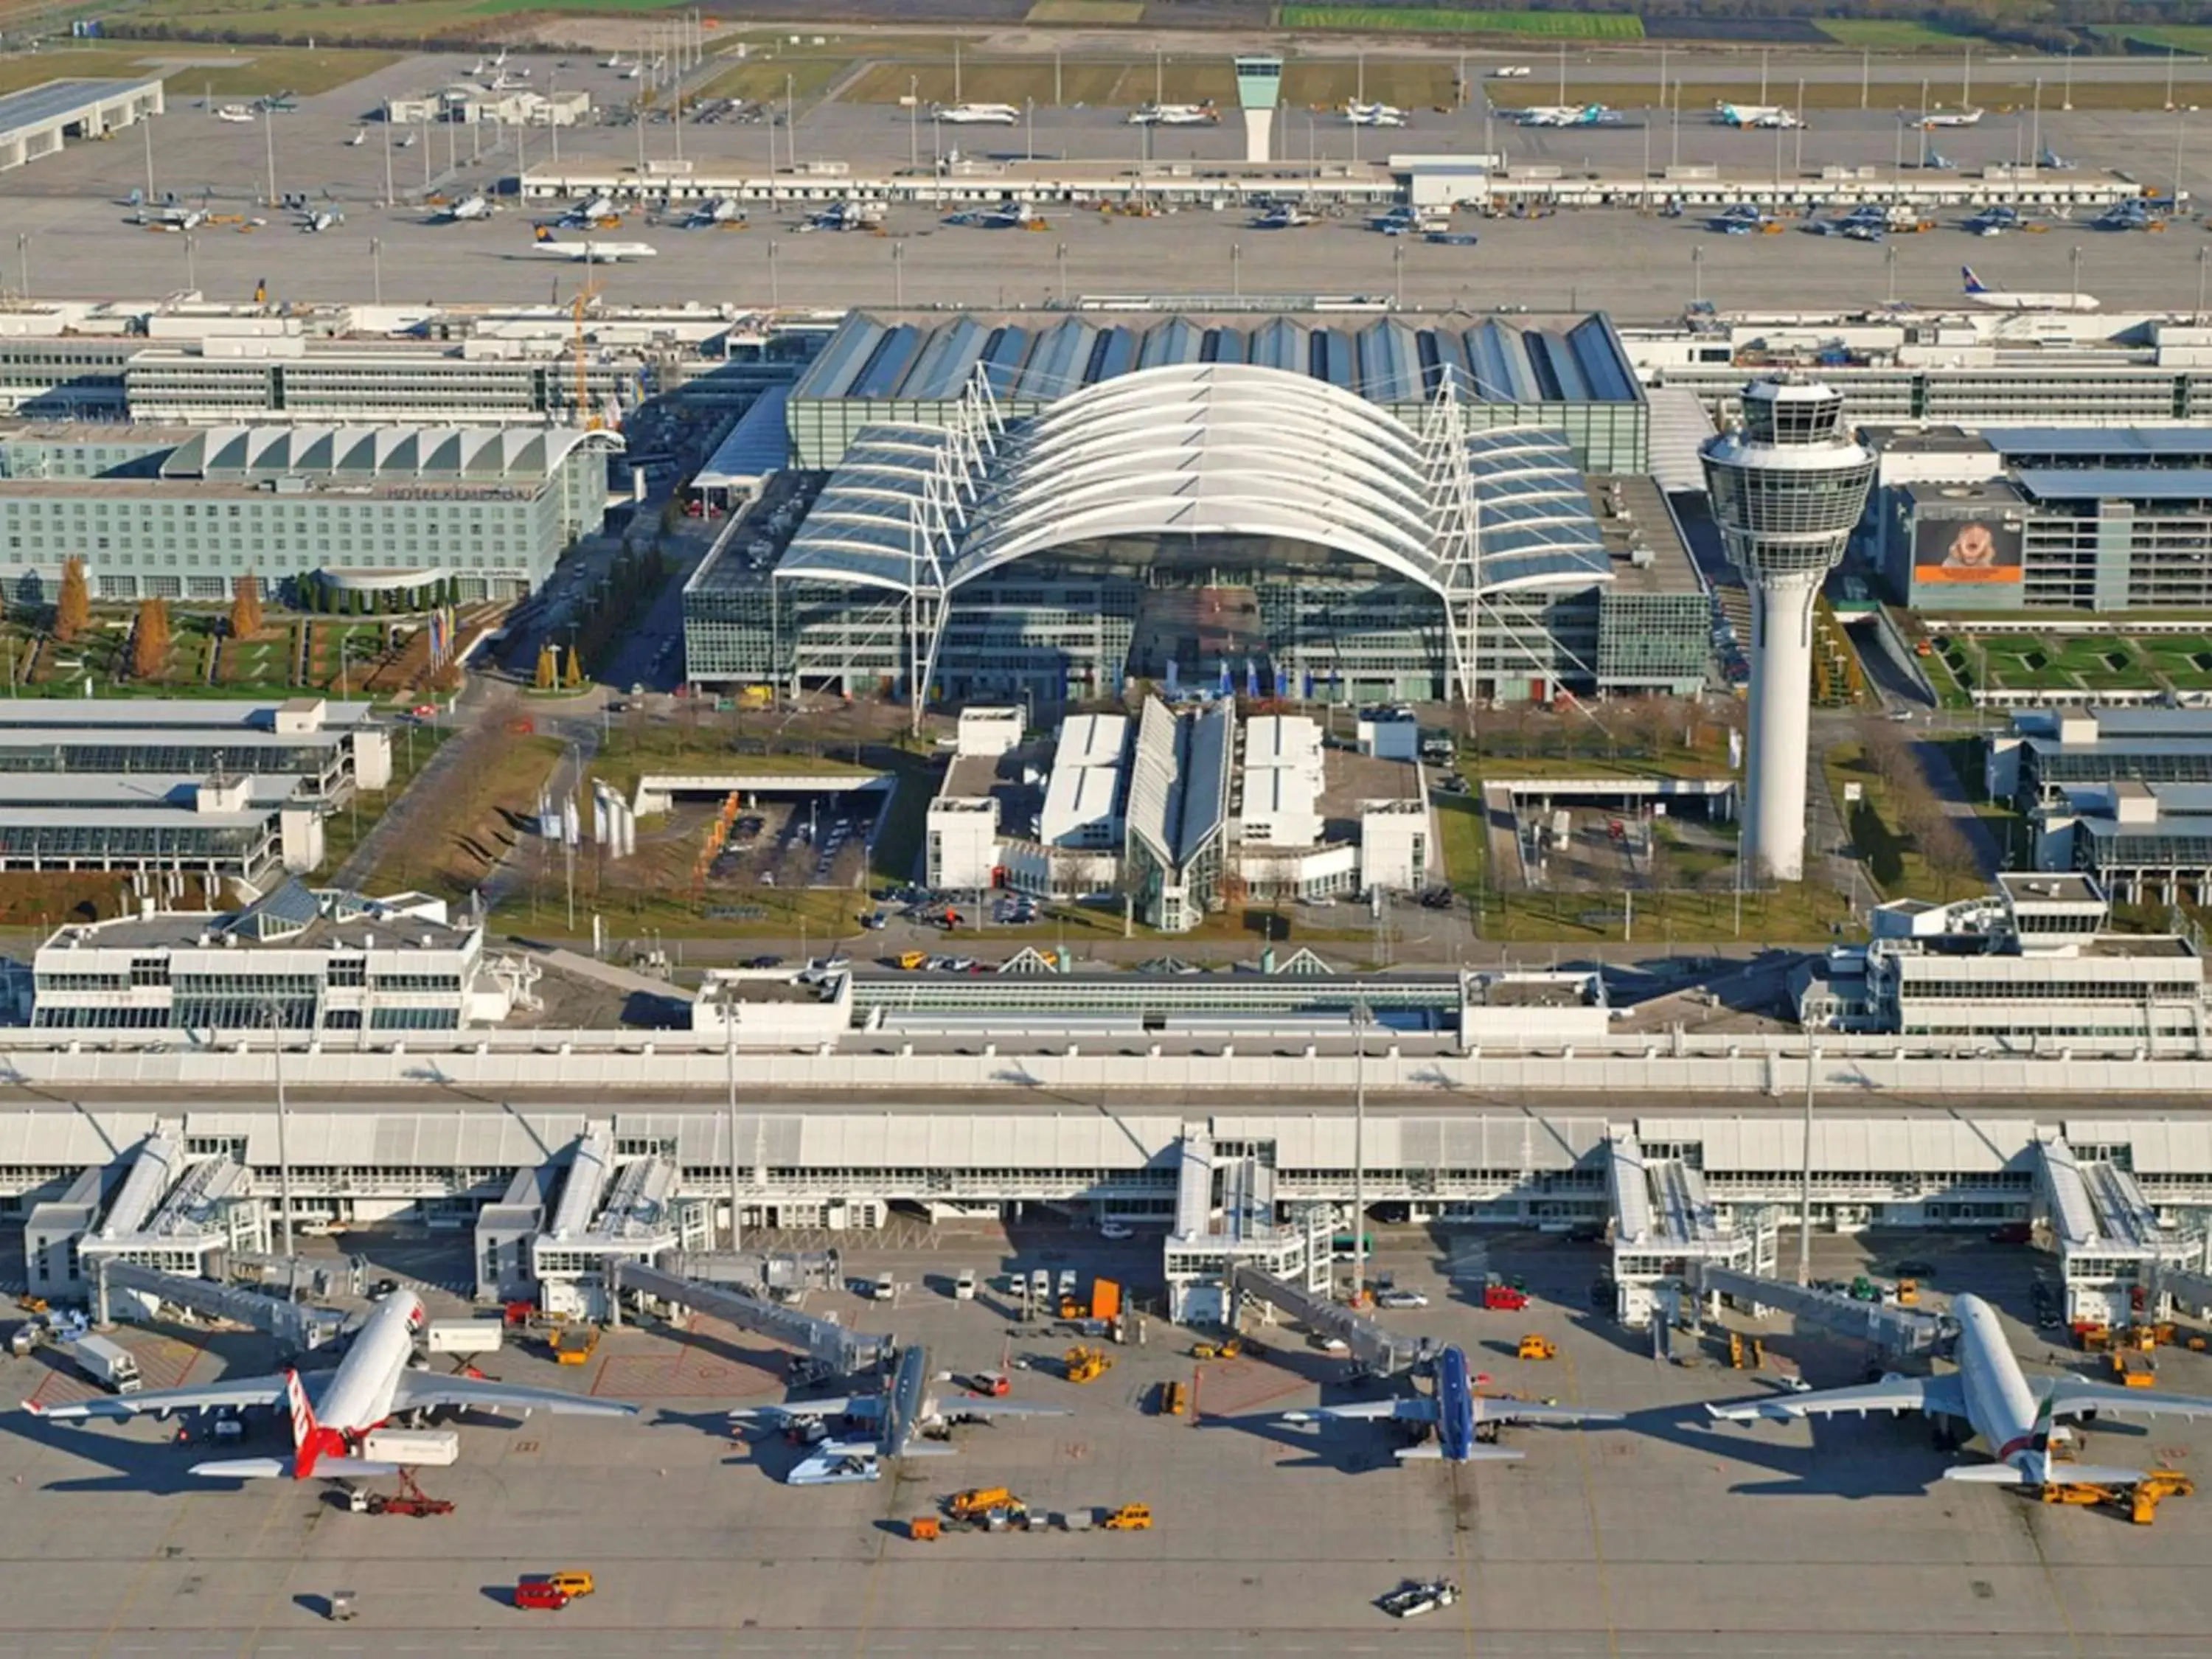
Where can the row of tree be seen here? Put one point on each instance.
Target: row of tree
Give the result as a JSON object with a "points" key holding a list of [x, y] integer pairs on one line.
{"points": [[150, 638], [324, 597], [1915, 809], [632, 583]]}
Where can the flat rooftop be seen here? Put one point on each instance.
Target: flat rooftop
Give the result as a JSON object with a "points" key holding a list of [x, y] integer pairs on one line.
{"points": [[62, 99], [1651, 526]]}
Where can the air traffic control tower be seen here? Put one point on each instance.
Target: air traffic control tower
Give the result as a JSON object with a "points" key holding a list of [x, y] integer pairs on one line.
{"points": [[1787, 487], [1259, 89]]}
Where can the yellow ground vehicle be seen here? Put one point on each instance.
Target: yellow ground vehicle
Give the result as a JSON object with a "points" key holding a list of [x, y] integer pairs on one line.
{"points": [[1174, 1399], [922, 1528], [1908, 1292], [1537, 1347], [573, 1581], [2141, 1500], [1130, 1517], [979, 1500], [33, 1304], [2133, 1369], [1085, 1364], [574, 1345], [911, 960], [1227, 1348]]}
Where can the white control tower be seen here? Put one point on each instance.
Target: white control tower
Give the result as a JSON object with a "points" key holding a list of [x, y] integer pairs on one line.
{"points": [[1258, 90], [1787, 487]]}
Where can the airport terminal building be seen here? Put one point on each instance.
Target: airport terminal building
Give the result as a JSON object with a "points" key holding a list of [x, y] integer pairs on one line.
{"points": [[1291, 507]]}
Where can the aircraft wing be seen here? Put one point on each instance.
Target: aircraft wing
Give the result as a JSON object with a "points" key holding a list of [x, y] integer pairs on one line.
{"points": [[421, 1390], [2071, 1396], [999, 1408], [1407, 1408], [1489, 1409], [1891, 1394], [235, 1392]]}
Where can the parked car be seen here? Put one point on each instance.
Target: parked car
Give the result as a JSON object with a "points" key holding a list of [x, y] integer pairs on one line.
{"points": [[1400, 1298], [1116, 1231]]}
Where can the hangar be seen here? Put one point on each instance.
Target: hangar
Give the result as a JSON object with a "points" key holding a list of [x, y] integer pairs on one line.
{"points": [[38, 120]]}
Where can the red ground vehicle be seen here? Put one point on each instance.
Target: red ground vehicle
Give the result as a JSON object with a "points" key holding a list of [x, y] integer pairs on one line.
{"points": [[537, 1593], [1504, 1298]]}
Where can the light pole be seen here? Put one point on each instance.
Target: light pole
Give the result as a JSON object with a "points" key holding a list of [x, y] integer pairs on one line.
{"points": [[913, 121], [1398, 273], [389, 197], [23, 263], [283, 1146], [1805, 1181], [269, 136], [1236, 274], [730, 1077], [192, 262], [791, 120], [2202, 253], [774, 299], [1359, 1152], [1697, 275], [1059, 259], [1889, 259], [2074, 257], [898, 276]]}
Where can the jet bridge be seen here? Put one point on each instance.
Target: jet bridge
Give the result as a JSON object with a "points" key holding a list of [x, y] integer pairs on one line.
{"points": [[2112, 1246], [1375, 1352], [829, 1343], [1899, 1331], [294, 1324]]}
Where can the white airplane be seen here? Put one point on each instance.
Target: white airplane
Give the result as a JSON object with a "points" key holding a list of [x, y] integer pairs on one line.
{"points": [[591, 253], [406, 141], [907, 1406], [178, 219], [633, 72], [371, 1385], [2004, 300], [472, 206], [613, 60], [1565, 115], [1458, 1413], [1374, 115], [846, 215], [233, 113], [512, 81], [987, 115], [1957, 118], [1175, 115], [360, 137], [722, 210], [1280, 217], [1754, 115], [327, 219], [1989, 1393], [601, 206], [1511, 72]]}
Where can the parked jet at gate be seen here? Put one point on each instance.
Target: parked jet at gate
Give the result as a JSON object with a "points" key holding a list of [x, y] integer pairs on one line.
{"points": [[2003, 299], [1567, 115], [1458, 1413], [987, 115], [372, 1384], [1989, 1393], [902, 1411]]}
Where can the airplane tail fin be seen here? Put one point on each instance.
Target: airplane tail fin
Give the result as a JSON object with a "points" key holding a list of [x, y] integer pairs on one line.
{"points": [[1974, 285], [310, 1441]]}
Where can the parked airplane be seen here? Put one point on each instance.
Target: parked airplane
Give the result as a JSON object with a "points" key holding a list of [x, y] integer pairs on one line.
{"points": [[2129, 215], [2054, 161], [1754, 115], [175, 219], [1989, 1393], [1995, 220], [613, 60], [1283, 217], [360, 137], [591, 253], [1511, 72], [1567, 115], [1374, 115], [989, 115], [846, 215], [1956, 118], [372, 1385], [512, 80], [587, 215], [722, 210], [472, 206], [905, 1408], [235, 113], [2003, 299], [1175, 115], [999, 215], [1458, 1413], [326, 219]]}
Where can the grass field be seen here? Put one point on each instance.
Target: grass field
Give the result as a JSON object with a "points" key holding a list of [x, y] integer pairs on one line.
{"points": [[1890, 859], [2193, 38], [2183, 660], [467, 827], [1087, 11], [1114, 84], [268, 68], [763, 78], [1892, 35], [1998, 96], [1446, 19]]}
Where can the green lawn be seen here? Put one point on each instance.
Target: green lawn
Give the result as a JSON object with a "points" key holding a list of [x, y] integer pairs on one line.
{"points": [[268, 68], [1446, 19], [625, 753], [1890, 858], [1087, 11], [411, 750], [2192, 37], [1892, 35], [2184, 660]]}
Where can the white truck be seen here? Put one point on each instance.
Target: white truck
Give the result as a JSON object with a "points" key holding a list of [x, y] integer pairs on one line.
{"points": [[413, 1448], [109, 1364], [462, 1336]]}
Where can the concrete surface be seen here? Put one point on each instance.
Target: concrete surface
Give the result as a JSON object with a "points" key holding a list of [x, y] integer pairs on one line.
{"points": [[1664, 1537]]}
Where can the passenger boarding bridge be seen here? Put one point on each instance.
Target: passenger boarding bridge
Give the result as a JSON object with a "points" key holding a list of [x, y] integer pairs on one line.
{"points": [[1667, 1226], [171, 1212], [2114, 1247]]}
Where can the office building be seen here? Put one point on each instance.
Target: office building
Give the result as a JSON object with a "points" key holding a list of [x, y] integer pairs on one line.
{"points": [[2043, 754], [1787, 486], [182, 514], [316, 962], [329, 748]]}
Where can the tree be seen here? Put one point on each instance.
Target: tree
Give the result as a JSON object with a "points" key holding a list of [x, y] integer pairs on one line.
{"points": [[245, 608], [73, 615], [149, 640], [574, 680], [547, 670]]}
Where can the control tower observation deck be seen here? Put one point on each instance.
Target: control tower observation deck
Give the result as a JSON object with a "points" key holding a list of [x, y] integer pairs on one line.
{"points": [[1787, 487], [1258, 90]]}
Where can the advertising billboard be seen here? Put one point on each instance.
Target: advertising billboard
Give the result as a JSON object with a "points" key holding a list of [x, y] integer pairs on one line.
{"points": [[1966, 550]]}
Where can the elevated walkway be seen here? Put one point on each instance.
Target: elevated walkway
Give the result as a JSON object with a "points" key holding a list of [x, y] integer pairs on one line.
{"points": [[829, 1343], [1375, 1350], [1894, 1330], [293, 1324]]}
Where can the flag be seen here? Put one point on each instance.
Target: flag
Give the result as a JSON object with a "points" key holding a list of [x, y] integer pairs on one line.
{"points": [[1171, 677], [1735, 749], [1309, 686], [1251, 677], [1226, 687]]}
